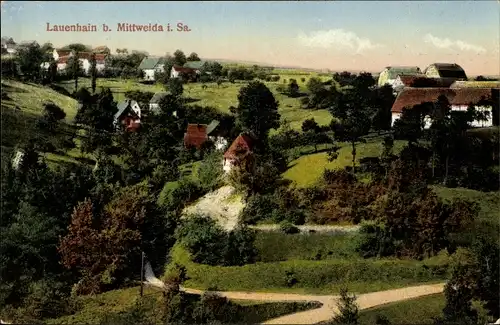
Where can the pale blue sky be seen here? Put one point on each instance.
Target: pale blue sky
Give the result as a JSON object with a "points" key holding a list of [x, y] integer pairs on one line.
{"points": [[335, 35]]}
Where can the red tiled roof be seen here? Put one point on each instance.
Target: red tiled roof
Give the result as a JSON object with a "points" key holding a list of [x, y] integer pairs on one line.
{"points": [[196, 135], [63, 59], [408, 80], [242, 142], [63, 53], [410, 97], [183, 69]]}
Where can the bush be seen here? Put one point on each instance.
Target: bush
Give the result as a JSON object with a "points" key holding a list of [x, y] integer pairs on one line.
{"points": [[373, 240], [288, 228], [210, 173], [210, 244]]}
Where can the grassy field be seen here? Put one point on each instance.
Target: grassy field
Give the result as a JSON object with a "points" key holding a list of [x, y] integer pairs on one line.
{"points": [[415, 311], [220, 97], [317, 277], [275, 246], [307, 170], [101, 308]]}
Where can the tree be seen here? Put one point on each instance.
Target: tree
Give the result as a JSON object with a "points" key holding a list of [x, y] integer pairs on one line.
{"points": [[257, 111], [175, 87], [293, 88], [348, 309], [179, 58], [315, 85], [77, 47], [352, 110], [93, 72], [310, 125], [75, 68], [30, 59], [193, 57], [383, 100]]}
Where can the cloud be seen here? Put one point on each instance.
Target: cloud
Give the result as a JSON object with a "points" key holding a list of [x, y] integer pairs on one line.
{"points": [[336, 38], [446, 43]]}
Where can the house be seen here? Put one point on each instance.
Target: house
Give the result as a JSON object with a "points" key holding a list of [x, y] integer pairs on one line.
{"points": [[154, 103], [390, 74], [195, 65], [195, 136], [62, 57], [403, 81], [150, 66], [459, 100], [475, 84], [445, 70], [216, 135], [240, 148], [178, 71], [128, 115], [8, 46]]}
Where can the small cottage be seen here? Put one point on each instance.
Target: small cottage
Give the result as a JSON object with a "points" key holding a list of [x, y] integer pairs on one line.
{"points": [[150, 66], [390, 74], [445, 70], [459, 99], [240, 149], [128, 115]]}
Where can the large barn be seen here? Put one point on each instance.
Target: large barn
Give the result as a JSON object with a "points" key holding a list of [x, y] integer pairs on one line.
{"points": [[445, 70], [459, 98], [390, 74]]}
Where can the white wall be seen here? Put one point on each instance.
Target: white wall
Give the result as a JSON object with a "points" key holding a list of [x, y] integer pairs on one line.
{"points": [[137, 109], [85, 65], [174, 73], [428, 121], [227, 164], [61, 66], [149, 74], [219, 142]]}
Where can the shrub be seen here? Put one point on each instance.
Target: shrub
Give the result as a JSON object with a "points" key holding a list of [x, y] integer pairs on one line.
{"points": [[373, 240], [288, 228], [210, 244], [210, 172]]}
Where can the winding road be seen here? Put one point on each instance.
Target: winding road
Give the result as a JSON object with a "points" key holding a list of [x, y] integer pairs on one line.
{"points": [[329, 307]]}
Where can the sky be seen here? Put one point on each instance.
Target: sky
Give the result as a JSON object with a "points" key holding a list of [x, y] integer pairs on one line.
{"points": [[336, 35]]}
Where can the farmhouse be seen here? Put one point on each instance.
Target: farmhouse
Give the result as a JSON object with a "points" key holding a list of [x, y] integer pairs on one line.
{"points": [[197, 134], [150, 66], [459, 99], [390, 74], [217, 135], [62, 57], [445, 70], [178, 71], [128, 115], [241, 148]]}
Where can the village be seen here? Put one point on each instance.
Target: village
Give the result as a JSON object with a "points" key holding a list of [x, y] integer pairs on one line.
{"points": [[326, 176]]}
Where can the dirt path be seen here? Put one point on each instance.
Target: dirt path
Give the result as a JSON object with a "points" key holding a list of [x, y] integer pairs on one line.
{"points": [[329, 308], [307, 228]]}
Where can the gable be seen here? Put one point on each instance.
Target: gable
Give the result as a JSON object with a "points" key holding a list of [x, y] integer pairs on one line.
{"points": [[196, 135], [242, 142]]}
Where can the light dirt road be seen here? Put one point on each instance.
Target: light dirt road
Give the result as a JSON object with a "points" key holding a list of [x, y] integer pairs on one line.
{"points": [[307, 228], [329, 307]]}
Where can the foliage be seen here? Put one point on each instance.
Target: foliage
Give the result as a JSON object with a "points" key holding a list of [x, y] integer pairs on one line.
{"points": [[209, 244], [257, 111], [348, 309], [288, 228], [175, 87], [210, 171], [30, 59]]}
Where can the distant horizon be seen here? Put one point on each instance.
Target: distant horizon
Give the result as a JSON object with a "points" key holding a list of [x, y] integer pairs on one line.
{"points": [[336, 35]]}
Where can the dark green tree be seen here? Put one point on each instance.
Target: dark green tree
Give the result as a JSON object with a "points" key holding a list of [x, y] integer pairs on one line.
{"points": [[175, 87], [348, 309], [193, 57], [93, 72], [179, 58], [257, 111]]}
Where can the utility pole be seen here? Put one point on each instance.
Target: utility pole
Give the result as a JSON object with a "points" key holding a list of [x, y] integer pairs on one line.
{"points": [[142, 274]]}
